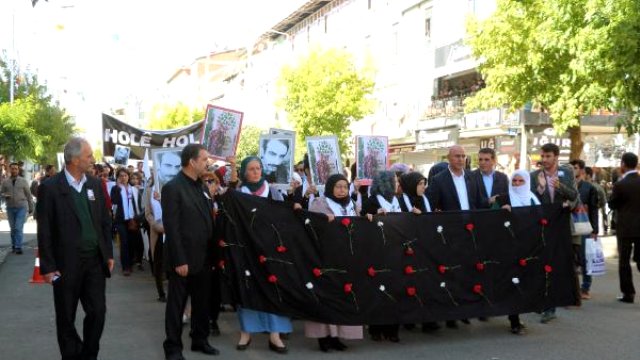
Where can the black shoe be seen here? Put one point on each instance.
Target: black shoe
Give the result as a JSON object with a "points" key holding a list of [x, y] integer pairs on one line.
{"points": [[162, 298], [279, 349], [430, 326], [452, 324], [337, 344], [18, 251], [626, 299], [517, 329], [205, 348], [242, 347], [177, 356], [466, 321], [393, 338], [324, 344]]}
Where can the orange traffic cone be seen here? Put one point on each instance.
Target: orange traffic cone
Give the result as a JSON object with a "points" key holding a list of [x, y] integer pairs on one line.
{"points": [[37, 278]]}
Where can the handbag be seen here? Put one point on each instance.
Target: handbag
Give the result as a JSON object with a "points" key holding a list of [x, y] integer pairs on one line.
{"points": [[580, 224], [594, 257]]}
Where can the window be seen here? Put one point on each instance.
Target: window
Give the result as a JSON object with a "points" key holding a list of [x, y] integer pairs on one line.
{"points": [[427, 28]]}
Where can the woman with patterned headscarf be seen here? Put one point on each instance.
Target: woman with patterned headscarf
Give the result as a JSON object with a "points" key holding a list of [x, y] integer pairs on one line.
{"points": [[253, 321], [383, 200], [335, 202]]}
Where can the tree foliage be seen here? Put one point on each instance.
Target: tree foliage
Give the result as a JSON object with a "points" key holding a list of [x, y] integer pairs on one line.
{"points": [[34, 126], [248, 144], [324, 93], [167, 116], [568, 57]]}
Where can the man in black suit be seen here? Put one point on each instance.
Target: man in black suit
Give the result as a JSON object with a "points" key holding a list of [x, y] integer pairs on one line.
{"points": [[625, 198], [187, 216], [454, 188], [76, 254], [493, 186]]}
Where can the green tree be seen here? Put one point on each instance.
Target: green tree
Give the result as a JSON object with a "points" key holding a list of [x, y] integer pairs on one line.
{"points": [[248, 143], [324, 93], [34, 127], [568, 57], [166, 116]]}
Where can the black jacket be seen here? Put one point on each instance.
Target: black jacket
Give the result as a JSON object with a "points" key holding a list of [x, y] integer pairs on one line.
{"points": [[500, 187], [443, 196], [625, 198], [188, 224], [59, 226], [589, 198]]}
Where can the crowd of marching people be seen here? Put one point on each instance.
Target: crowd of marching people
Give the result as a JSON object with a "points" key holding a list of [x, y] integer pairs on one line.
{"points": [[174, 230]]}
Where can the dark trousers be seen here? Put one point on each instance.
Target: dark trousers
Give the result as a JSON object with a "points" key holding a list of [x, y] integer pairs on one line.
{"points": [[198, 287], [157, 267], [125, 254], [625, 248], [86, 285], [136, 246], [216, 296]]}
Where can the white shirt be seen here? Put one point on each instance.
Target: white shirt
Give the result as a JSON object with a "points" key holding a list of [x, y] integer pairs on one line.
{"points": [[461, 189], [75, 184]]}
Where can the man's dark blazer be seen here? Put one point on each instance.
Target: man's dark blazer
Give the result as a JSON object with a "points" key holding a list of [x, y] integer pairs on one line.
{"points": [[500, 187], [625, 198], [188, 224], [443, 196], [59, 226]]}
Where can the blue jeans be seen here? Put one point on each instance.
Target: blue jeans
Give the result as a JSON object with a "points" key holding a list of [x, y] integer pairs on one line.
{"points": [[16, 216], [586, 279]]}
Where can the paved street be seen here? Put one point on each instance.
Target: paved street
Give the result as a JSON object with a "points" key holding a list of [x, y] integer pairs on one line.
{"points": [[601, 329]]}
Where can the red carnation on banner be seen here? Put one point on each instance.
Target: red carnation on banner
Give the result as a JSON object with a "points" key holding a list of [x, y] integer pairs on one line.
{"points": [[481, 265], [408, 249], [547, 281], [281, 249], [221, 265], [263, 260], [410, 270], [224, 244], [477, 288], [274, 280], [371, 271], [443, 268], [470, 228], [412, 292], [544, 224], [348, 289], [346, 222], [317, 272], [525, 261]]}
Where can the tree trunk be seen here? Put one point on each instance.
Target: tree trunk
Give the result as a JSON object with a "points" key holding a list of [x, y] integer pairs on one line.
{"points": [[575, 134]]}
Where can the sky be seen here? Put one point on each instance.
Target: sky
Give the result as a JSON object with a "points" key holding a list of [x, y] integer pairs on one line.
{"points": [[103, 50]]}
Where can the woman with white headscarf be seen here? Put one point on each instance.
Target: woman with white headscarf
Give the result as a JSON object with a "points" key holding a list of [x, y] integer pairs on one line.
{"points": [[520, 195], [520, 190]]}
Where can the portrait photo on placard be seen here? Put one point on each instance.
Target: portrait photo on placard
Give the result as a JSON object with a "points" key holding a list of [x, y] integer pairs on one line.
{"points": [[371, 156], [324, 158], [221, 131], [121, 155], [166, 165], [276, 153]]}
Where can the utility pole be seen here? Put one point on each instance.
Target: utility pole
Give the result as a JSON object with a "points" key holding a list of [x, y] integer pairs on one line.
{"points": [[12, 75]]}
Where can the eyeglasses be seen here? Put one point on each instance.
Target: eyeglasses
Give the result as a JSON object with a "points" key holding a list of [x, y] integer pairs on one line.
{"points": [[211, 182]]}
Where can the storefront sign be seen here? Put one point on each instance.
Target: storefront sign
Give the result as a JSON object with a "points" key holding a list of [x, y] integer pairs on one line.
{"points": [[482, 119], [488, 143], [437, 138]]}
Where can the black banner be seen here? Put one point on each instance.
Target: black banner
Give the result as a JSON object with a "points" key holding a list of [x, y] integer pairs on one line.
{"points": [[400, 268], [116, 132]]}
